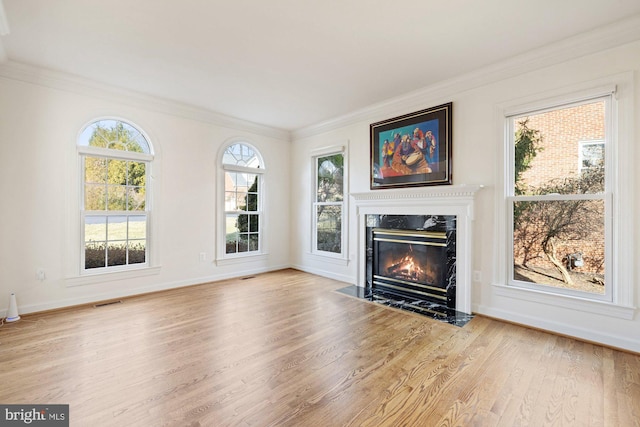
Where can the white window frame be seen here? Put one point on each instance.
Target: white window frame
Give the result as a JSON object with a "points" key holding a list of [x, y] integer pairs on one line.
{"points": [[86, 151], [316, 155], [222, 257], [512, 198], [618, 197]]}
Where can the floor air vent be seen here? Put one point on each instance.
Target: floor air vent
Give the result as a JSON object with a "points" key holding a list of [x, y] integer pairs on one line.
{"points": [[103, 304]]}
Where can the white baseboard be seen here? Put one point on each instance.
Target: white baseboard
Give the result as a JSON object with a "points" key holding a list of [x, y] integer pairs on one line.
{"points": [[324, 273], [590, 335], [70, 302]]}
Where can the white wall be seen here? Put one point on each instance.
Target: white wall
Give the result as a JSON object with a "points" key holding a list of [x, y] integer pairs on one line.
{"points": [[477, 141], [39, 224]]}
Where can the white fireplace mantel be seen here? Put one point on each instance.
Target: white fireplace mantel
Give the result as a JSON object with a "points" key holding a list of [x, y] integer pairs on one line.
{"points": [[455, 200]]}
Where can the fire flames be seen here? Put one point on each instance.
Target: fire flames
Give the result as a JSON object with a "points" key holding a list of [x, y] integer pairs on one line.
{"points": [[407, 269]]}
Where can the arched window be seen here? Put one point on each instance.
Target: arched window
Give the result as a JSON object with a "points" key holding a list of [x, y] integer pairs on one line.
{"points": [[243, 169], [115, 168]]}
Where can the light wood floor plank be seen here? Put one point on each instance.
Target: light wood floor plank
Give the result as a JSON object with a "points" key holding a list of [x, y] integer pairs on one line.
{"points": [[285, 349]]}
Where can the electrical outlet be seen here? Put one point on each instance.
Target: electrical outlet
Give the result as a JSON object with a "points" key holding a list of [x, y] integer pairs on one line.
{"points": [[477, 276], [40, 274], [203, 256]]}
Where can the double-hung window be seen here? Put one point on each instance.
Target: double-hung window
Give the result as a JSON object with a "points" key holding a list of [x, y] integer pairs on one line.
{"points": [[115, 159], [328, 204], [560, 215]]}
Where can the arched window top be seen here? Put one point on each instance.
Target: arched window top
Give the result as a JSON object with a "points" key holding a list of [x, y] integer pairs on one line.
{"points": [[241, 154], [114, 134]]}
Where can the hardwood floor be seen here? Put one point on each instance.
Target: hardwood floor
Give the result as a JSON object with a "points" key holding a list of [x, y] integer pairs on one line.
{"points": [[283, 349]]}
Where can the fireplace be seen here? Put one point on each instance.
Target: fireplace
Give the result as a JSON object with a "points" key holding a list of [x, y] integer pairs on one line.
{"points": [[423, 214], [413, 257]]}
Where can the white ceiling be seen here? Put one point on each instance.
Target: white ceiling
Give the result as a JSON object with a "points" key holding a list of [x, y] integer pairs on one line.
{"points": [[288, 64]]}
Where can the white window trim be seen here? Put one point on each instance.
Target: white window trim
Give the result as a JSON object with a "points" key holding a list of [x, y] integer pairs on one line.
{"points": [[115, 154], [620, 158], [222, 258], [342, 257], [75, 274], [104, 276]]}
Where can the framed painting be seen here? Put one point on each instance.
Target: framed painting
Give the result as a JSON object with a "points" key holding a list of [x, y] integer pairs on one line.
{"points": [[412, 150]]}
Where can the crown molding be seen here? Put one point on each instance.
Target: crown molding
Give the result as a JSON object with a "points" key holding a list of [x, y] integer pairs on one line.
{"points": [[606, 37], [67, 82], [622, 32]]}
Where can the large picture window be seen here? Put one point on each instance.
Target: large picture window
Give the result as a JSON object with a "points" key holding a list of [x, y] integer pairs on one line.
{"points": [[328, 205], [115, 162], [243, 169], [560, 215]]}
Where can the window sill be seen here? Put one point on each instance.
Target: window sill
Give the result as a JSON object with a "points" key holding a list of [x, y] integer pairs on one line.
{"points": [[603, 308], [242, 259], [331, 259], [108, 276]]}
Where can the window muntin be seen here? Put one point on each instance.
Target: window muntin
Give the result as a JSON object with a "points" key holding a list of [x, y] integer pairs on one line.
{"points": [[243, 170], [329, 204], [115, 159], [241, 155], [559, 213], [114, 184], [114, 134]]}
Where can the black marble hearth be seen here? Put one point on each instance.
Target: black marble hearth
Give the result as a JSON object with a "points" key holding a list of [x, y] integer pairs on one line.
{"points": [[427, 308]]}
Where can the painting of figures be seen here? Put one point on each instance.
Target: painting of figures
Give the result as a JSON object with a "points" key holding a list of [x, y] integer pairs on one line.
{"points": [[412, 150]]}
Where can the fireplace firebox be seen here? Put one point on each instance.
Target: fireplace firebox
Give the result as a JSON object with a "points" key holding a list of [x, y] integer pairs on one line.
{"points": [[412, 257], [412, 261]]}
